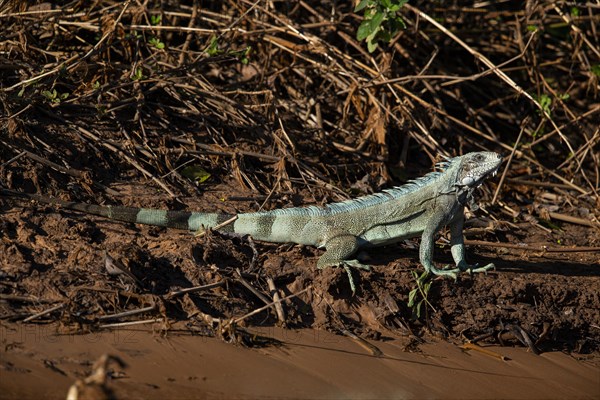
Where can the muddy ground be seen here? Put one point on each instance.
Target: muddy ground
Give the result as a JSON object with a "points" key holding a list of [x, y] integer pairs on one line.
{"points": [[54, 257], [305, 364]]}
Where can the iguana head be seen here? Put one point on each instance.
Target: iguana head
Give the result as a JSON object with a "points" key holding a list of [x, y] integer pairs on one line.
{"points": [[476, 167], [473, 169]]}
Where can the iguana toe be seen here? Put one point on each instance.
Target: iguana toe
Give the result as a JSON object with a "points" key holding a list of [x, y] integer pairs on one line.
{"points": [[476, 269], [357, 264], [350, 278], [347, 265], [452, 273], [351, 263], [354, 264]]}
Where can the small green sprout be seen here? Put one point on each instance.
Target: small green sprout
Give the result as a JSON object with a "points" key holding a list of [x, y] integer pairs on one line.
{"points": [[155, 42], [419, 294], [54, 97], [137, 75], [156, 19], [381, 21]]}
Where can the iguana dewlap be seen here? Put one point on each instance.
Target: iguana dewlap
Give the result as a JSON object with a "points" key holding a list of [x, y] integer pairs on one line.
{"points": [[419, 208]]}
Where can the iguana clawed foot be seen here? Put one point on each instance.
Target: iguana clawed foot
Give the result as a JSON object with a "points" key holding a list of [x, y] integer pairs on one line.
{"points": [[348, 265], [475, 268], [354, 264], [462, 267]]}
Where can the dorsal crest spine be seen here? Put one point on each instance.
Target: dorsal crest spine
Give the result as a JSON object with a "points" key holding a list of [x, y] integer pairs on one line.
{"points": [[369, 200]]}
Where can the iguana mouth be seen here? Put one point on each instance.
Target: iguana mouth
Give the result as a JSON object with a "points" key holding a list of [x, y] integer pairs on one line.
{"points": [[494, 172], [491, 173]]}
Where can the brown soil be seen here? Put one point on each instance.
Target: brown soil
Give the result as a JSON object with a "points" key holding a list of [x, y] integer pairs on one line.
{"points": [[58, 255]]}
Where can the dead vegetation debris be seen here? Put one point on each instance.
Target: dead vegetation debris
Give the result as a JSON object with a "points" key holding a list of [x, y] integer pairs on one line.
{"points": [[109, 102]]}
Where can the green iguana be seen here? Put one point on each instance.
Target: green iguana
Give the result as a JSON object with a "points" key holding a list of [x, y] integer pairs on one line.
{"points": [[419, 208]]}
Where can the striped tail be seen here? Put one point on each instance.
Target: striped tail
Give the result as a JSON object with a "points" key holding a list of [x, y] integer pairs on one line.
{"points": [[184, 220]]}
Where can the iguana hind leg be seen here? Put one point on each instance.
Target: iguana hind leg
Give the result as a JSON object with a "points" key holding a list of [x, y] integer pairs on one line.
{"points": [[340, 247]]}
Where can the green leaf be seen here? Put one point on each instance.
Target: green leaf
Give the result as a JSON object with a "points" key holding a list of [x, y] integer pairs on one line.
{"points": [[137, 75], [411, 296], [371, 46], [426, 288], [546, 103], [364, 30], [361, 5], [195, 173], [377, 20], [245, 59], [156, 43], [213, 47], [397, 6], [370, 26], [595, 69], [575, 11], [155, 19], [372, 40], [419, 308], [396, 24]]}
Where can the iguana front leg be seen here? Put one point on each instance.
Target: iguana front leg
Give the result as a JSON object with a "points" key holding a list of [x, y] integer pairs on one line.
{"points": [[426, 252], [458, 248], [340, 247]]}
